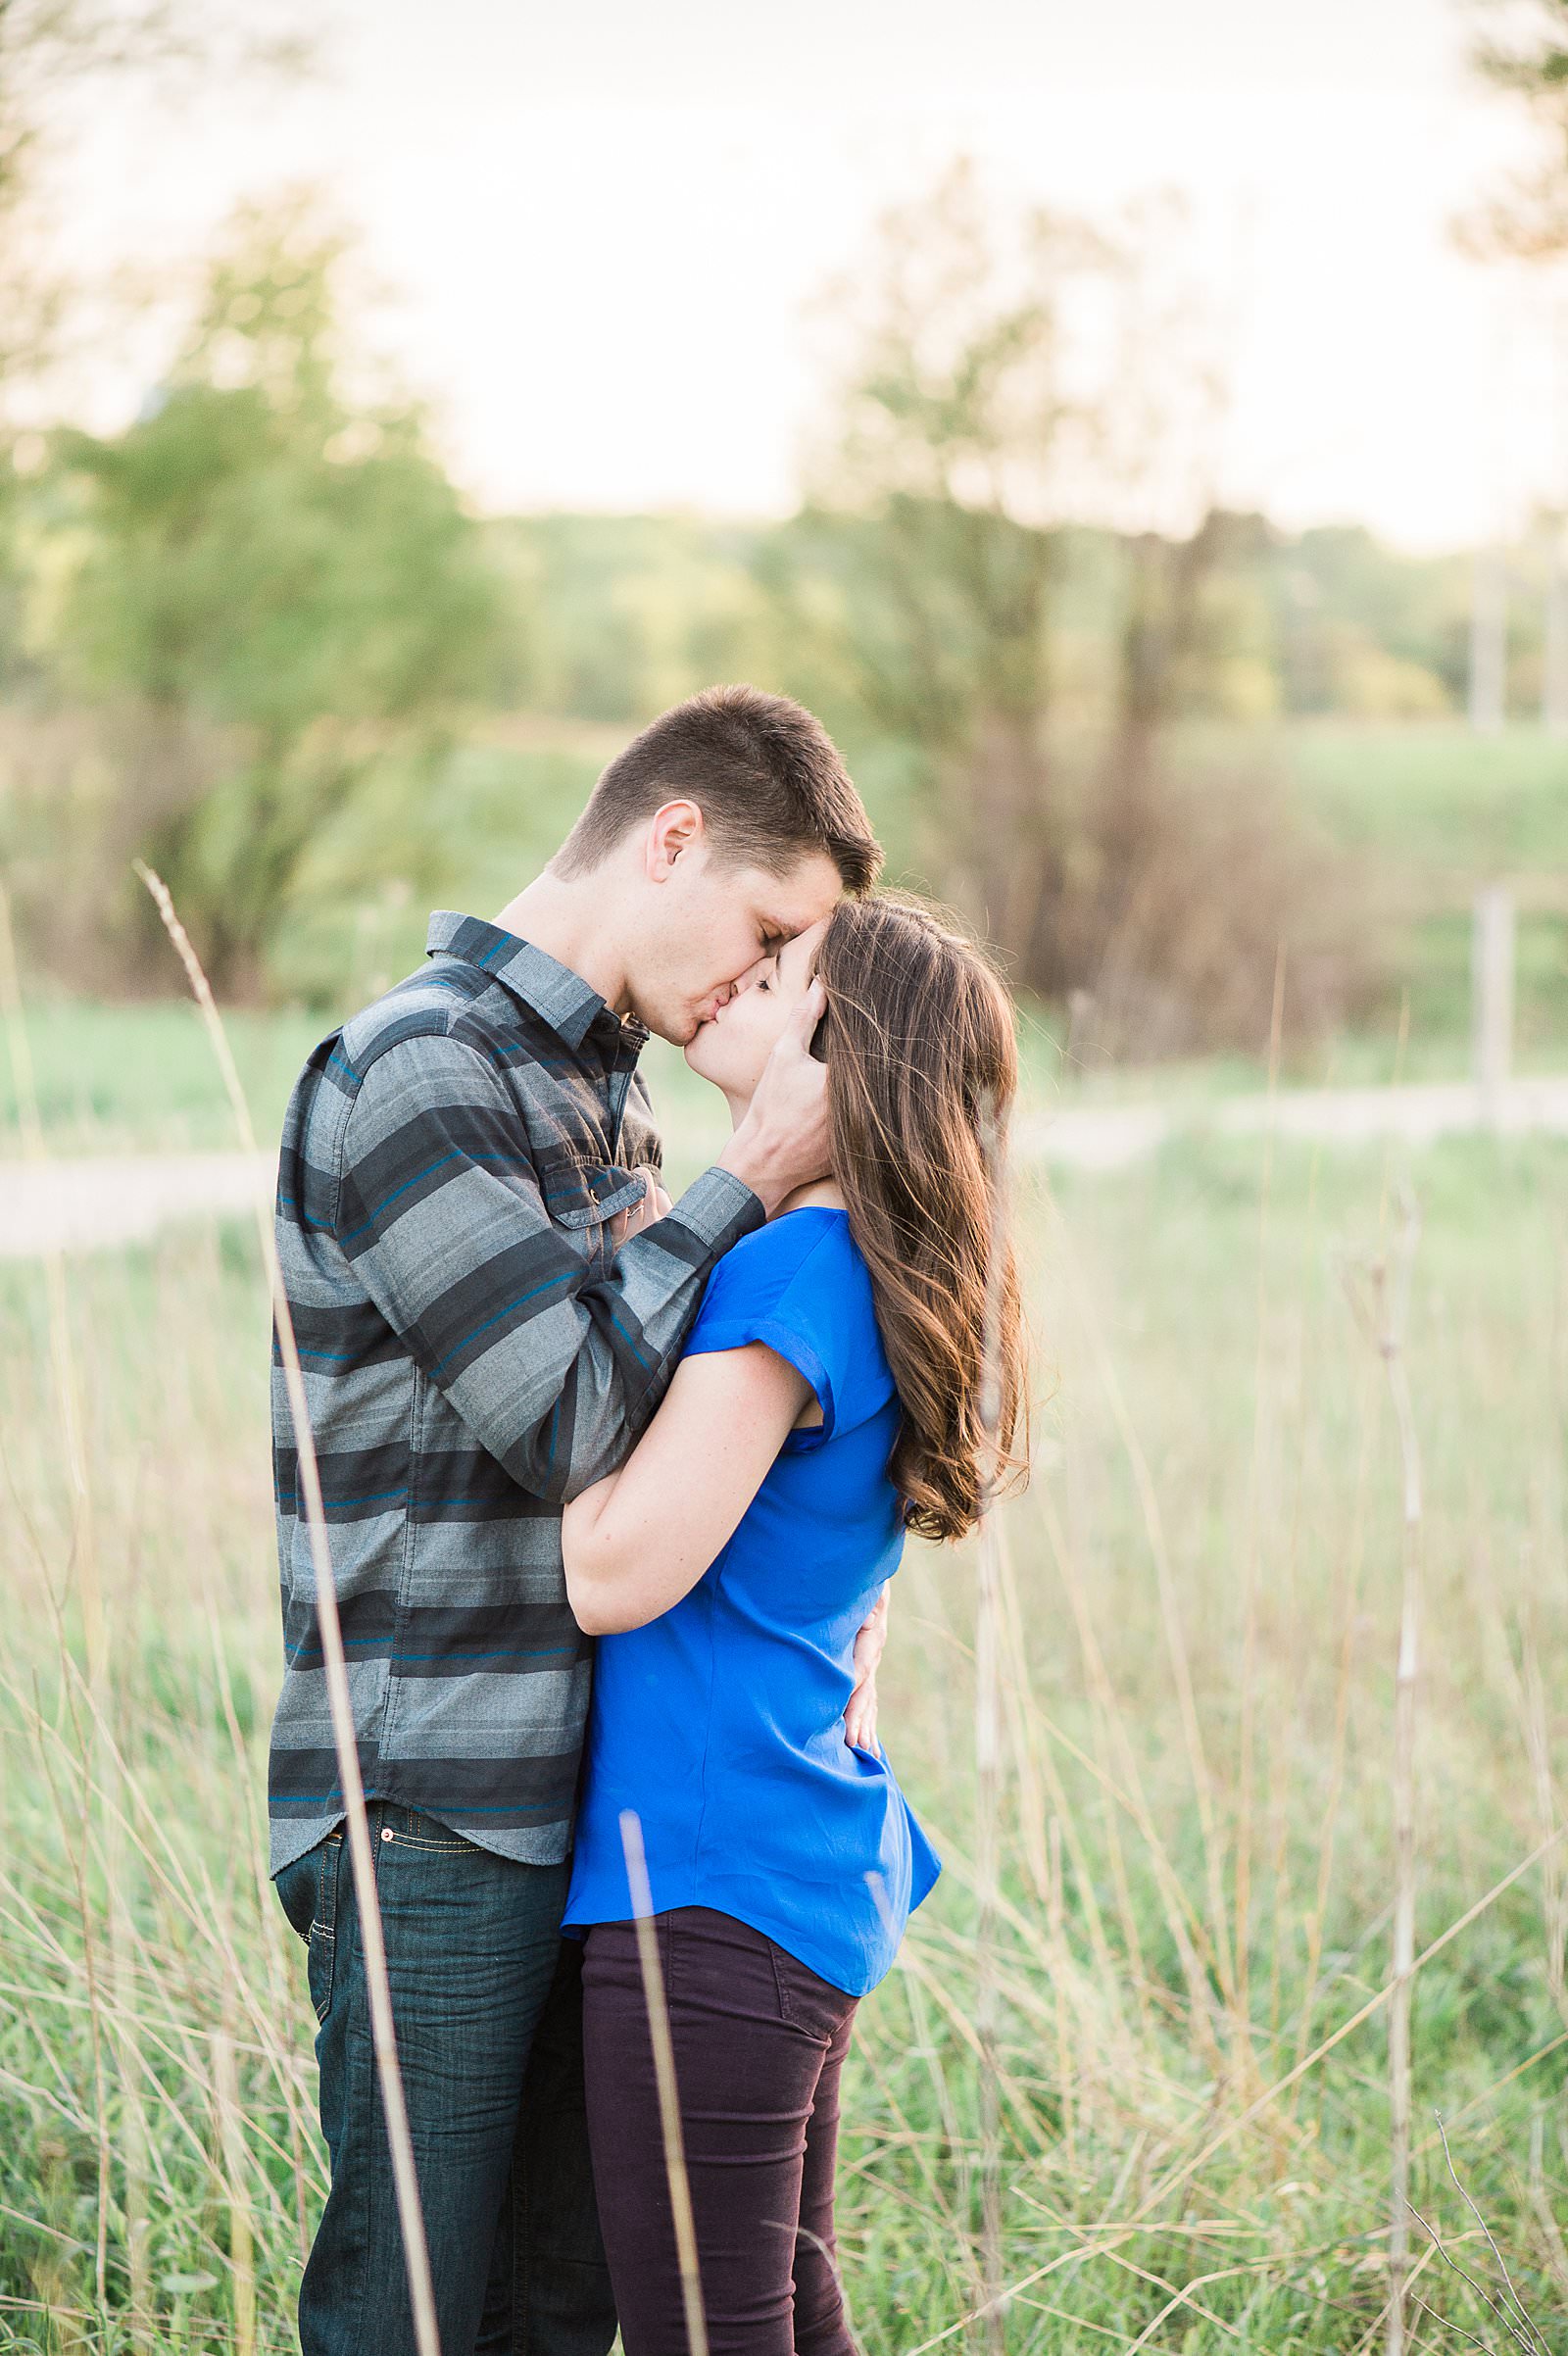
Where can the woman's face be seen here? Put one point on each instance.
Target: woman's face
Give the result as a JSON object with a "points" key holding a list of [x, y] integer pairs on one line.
{"points": [[732, 1048]]}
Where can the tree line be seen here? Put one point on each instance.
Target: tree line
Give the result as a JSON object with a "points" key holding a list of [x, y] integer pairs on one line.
{"points": [[1007, 588]]}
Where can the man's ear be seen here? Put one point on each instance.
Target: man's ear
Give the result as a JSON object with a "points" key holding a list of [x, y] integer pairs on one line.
{"points": [[673, 833]]}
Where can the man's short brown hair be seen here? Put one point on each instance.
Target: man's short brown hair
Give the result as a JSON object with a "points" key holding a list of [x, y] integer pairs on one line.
{"points": [[768, 777]]}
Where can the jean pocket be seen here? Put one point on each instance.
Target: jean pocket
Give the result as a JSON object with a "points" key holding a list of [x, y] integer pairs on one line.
{"points": [[308, 1891], [296, 1888], [807, 2002]]}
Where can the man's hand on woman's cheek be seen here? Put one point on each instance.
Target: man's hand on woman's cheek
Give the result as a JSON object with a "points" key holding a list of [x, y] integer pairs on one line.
{"points": [[782, 1143]]}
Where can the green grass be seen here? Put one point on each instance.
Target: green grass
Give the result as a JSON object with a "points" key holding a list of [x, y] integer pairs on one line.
{"points": [[142, 1078], [1433, 797], [1434, 810], [1214, 1406]]}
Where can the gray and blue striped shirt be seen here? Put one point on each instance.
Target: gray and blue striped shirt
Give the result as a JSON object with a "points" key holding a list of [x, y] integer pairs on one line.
{"points": [[475, 1353]]}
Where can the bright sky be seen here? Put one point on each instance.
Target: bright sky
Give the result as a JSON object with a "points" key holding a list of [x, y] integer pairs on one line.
{"points": [[604, 225]]}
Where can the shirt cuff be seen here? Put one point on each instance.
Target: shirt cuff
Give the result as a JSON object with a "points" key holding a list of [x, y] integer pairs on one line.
{"points": [[718, 1209]]}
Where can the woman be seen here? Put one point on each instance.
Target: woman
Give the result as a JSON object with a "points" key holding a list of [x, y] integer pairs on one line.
{"points": [[828, 1400]]}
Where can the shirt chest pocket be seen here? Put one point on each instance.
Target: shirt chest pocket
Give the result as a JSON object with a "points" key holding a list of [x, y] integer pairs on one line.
{"points": [[583, 1196]]}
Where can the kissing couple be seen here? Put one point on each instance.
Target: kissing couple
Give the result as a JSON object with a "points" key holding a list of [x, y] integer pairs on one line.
{"points": [[615, 1489]]}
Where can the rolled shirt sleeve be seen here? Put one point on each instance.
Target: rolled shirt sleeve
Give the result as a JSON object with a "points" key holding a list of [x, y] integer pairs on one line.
{"points": [[554, 1368]]}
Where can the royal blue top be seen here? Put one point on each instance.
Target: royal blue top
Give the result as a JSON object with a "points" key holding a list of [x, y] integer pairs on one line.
{"points": [[722, 1722]]}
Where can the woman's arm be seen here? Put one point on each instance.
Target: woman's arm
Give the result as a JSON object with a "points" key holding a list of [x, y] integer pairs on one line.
{"points": [[636, 1542]]}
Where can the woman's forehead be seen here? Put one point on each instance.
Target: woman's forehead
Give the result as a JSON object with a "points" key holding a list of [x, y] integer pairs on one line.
{"points": [[798, 954]]}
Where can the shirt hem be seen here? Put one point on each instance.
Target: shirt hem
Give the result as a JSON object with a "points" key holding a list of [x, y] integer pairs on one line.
{"points": [[577, 1921], [294, 1837]]}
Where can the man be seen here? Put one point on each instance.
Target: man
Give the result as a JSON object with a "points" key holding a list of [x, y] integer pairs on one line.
{"points": [[490, 1294]]}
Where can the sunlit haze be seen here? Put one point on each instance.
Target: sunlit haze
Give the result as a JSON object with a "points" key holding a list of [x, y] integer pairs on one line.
{"points": [[602, 229]]}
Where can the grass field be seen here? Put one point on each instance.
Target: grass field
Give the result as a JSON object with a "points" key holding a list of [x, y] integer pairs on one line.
{"points": [[1201, 1625], [1200, 1634]]}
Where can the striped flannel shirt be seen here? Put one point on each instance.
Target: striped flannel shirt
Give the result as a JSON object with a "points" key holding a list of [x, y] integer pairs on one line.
{"points": [[475, 1353]]}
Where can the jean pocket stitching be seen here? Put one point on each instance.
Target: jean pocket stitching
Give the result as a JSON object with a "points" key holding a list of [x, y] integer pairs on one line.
{"points": [[327, 1884], [322, 1945], [322, 1969], [781, 1985], [440, 1849]]}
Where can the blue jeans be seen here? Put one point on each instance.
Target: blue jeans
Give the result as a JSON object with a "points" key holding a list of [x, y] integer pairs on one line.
{"points": [[487, 2003]]}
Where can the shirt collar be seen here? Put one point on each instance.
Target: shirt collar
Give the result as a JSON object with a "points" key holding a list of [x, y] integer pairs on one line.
{"points": [[574, 1011]]}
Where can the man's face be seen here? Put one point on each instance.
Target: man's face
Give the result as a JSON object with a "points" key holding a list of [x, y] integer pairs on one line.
{"points": [[709, 923], [733, 1049]]}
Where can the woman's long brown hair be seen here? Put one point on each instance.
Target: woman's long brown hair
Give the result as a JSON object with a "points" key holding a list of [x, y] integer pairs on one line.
{"points": [[921, 1054]]}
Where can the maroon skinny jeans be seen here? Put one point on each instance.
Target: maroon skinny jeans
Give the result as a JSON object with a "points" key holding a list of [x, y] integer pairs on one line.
{"points": [[760, 2041]]}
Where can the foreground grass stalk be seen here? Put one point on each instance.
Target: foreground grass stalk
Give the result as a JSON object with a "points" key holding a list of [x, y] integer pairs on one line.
{"points": [[232, 2145], [988, 1739], [1175, 1634], [411, 2216], [1384, 1315], [680, 2191], [1245, 2060]]}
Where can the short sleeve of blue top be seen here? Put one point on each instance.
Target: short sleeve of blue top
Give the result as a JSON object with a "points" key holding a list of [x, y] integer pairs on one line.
{"points": [[722, 1723]]}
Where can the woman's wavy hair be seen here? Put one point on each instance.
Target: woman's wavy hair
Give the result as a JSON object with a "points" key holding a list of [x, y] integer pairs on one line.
{"points": [[922, 1062]]}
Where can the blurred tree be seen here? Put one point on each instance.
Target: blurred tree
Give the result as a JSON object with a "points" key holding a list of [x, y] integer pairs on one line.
{"points": [[1014, 539], [1004, 381], [940, 504], [1524, 49], [1365, 632], [276, 575], [629, 613], [52, 52]]}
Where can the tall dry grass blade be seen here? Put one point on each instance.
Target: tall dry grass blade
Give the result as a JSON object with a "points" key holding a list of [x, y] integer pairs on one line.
{"points": [[1382, 1316], [1057, 1918], [1556, 2248], [664, 2044], [1525, 2318], [988, 1732], [372, 1942], [231, 2148], [76, 1852], [1171, 1623], [1187, 2168], [1376, 2325], [1328, 1829], [1488, 2298], [1185, 1923], [1245, 2060]]}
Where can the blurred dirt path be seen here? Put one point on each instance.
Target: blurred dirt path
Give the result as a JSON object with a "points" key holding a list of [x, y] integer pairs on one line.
{"points": [[87, 1205], [1104, 1137]]}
